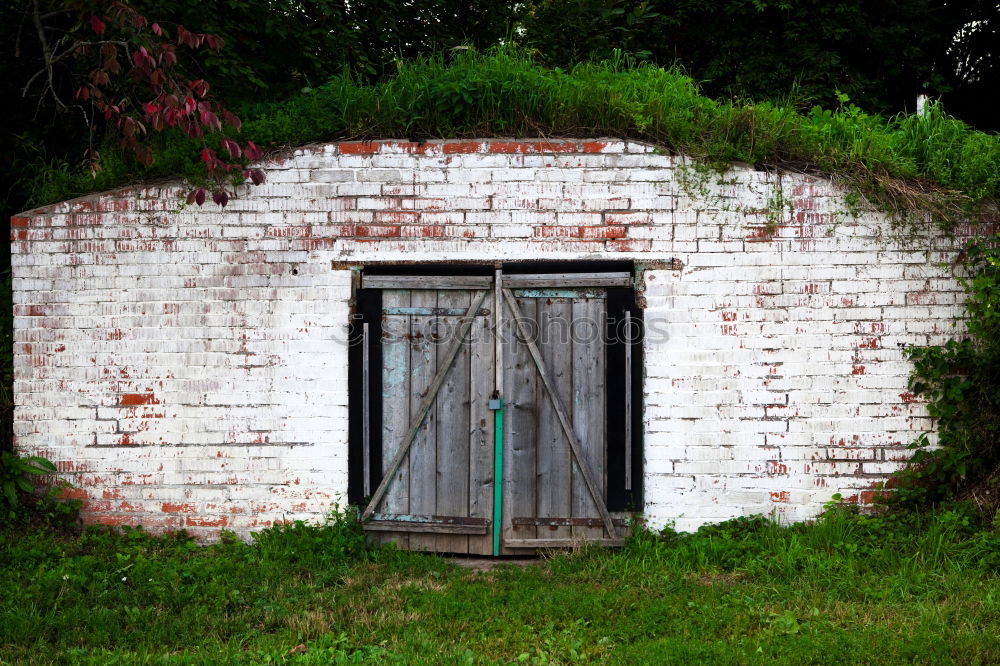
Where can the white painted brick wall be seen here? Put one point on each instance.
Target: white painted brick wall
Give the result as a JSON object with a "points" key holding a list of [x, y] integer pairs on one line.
{"points": [[186, 366]]}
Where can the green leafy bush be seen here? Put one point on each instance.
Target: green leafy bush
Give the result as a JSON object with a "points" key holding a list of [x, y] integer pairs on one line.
{"points": [[15, 478], [22, 502], [961, 382]]}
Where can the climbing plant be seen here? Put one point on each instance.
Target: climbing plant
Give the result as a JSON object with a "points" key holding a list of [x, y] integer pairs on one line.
{"points": [[961, 382]]}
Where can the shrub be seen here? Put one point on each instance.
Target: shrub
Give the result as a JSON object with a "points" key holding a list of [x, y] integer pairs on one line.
{"points": [[961, 383]]}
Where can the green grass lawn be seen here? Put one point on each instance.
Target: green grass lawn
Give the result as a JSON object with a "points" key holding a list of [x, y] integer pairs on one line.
{"points": [[847, 589]]}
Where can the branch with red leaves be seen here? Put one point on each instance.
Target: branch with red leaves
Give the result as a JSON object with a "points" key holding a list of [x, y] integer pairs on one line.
{"points": [[127, 74]]}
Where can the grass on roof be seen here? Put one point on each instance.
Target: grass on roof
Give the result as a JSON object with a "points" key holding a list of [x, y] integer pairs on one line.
{"points": [[933, 162]]}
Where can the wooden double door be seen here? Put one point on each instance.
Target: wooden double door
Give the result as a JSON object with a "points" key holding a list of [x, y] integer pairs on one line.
{"points": [[485, 419]]}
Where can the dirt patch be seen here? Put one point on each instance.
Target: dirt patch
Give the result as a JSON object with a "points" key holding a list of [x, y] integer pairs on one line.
{"points": [[487, 563]]}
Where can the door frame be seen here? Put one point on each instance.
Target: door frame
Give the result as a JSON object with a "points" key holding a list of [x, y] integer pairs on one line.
{"points": [[365, 395]]}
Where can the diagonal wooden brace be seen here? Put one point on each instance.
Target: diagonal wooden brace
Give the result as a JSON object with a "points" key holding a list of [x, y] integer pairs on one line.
{"points": [[574, 443], [425, 405]]}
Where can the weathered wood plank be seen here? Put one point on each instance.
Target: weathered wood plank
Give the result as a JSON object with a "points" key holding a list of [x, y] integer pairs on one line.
{"points": [[562, 520], [594, 292], [564, 280], [452, 470], [561, 543], [395, 406], [435, 312], [436, 530], [520, 426], [553, 491], [422, 458], [426, 281], [588, 407], [480, 435]]}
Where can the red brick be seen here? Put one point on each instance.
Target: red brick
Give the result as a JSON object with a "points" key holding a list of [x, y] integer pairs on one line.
{"points": [[137, 399], [557, 232], [74, 494], [111, 520], [376, 231], [422, 231], [594, 146], [175, 507], [461, 147], [602, 232], [359, 148], [871, 496], [555, 146]]}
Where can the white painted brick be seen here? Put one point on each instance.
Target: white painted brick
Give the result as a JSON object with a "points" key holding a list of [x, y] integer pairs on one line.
{"points": [[773, 378]]}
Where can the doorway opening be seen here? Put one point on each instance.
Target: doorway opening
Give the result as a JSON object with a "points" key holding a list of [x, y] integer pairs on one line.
{"points": [[496, 409]]}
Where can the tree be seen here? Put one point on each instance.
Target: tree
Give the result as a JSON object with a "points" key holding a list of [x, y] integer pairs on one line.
{"points": [[109, 63], [882, 55], [272, 50]]}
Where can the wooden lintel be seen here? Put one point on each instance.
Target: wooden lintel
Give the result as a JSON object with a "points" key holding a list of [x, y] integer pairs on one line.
{"points": [[562, 280], [427, 281]]}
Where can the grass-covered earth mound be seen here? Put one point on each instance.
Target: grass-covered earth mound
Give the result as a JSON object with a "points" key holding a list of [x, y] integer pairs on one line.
{"points": [[931, 162]]}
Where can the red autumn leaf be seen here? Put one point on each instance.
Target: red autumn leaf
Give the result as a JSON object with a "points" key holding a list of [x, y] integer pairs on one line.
{"points": [[199, 196], [257, 176], [190, 197], [158, 31], [252, 152], [220, 197], [231, 147], [232, 119], [97, 25], [150, 107], [83, 93], [200, 87]]}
